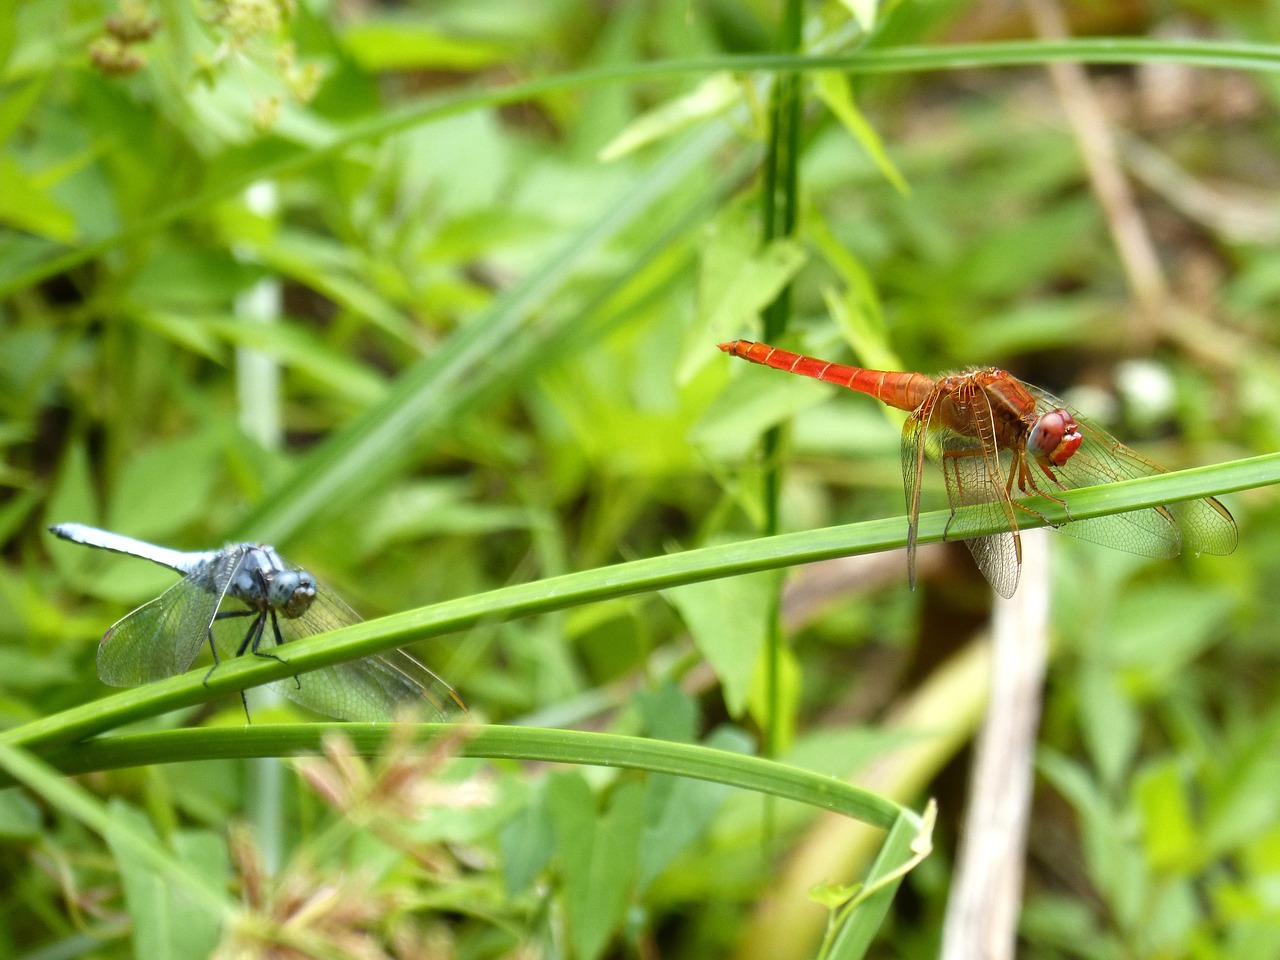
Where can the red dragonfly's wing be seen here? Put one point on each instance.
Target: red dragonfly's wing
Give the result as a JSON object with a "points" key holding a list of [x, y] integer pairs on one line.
{"points": [[976, 469], [1203, 526], [913, 450]]}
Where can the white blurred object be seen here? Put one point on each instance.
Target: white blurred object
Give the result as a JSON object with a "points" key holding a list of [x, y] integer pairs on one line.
{"points": [[986, 895], [1147, 389]]}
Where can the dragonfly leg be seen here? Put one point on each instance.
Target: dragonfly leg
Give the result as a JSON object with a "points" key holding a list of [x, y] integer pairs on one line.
{"points": [[275, 628], [255, 626], [222, 615], [257, 639], [1033, 488], [1036, 513], [254, 633]]}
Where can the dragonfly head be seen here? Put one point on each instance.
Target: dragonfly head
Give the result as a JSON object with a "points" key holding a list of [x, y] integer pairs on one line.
{"points": [[291, 592], [1055, 437]]}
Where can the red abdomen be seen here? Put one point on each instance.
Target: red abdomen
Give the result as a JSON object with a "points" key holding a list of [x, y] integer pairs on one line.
{"points": [[906, 391]]}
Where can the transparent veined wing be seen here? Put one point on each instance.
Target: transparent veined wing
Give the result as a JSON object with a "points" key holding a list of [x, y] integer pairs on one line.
{"points": [[914, 439], [1202, 526], [975, 470], [382, 687], [387, 686], [161, 638]]}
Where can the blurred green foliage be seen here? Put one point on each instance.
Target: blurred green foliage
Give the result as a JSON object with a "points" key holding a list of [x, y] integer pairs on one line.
{"points": [[496, 338]]}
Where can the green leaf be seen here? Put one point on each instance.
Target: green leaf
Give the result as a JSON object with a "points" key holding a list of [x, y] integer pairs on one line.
{"points": [[735, 285], [835, 91], [679, 811], [182, 279], [19, 100], [1240, 800], [8, 31], [166, 923], [25, 205], [857, 311], [907, 842], [712, 97], [1012, 257], [833, 895], [748, 406], [331, 269], [410, 511], [668, 713], [1109, 722], [598, 856], [72, 497], [864, 12], [383, 44], [19, 816], [297, 348], [1170, 834], [1241, 56], [165, 487], [183, 330], [527, 843], [779, 707], [481, 356], [138, 845], [1114, 861], [727, 619], [1159, 630]]}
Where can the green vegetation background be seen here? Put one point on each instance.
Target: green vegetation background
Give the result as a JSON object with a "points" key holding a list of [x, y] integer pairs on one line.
{"points": [[505, 255]]}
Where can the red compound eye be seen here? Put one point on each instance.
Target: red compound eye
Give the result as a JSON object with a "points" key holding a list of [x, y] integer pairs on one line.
{"points": [[1055, 437]]}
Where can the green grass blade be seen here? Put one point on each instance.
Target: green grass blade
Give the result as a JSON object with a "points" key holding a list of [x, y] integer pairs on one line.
{"points": [[778, 220], [859, 929], [623, 579], [1227, 56], [496, 742], [75, 802], [429, 396]]}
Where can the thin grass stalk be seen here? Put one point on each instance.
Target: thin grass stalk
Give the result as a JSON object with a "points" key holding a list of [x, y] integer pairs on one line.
{"points": [[1127, 50], [494, 742], [779, 220], [428, 397]]}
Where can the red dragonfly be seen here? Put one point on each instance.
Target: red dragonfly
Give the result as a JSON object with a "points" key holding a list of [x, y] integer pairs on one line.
{"points": [[991, 432]]}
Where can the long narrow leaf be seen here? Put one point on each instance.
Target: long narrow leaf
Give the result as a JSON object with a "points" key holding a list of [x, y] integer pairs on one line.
{"points": [[498, 742], [1227, 56], [430, 395], [588, 586], [79, 804]]}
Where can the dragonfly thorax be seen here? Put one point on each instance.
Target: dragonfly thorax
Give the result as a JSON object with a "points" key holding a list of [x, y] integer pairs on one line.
{"points": [[265, 582]]}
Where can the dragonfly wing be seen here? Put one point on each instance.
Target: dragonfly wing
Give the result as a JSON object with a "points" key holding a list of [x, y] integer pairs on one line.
{"points": [[377, 688], [975, 469], [913, 452], [161, 638], [380, 688], [1205, 526]]}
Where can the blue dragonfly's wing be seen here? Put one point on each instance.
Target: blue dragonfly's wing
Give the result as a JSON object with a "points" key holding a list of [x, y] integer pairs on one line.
{"points": [[383, 687], [161, 638]]}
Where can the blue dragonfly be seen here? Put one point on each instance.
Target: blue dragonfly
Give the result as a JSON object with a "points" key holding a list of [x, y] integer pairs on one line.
{"points": [[249, 583]]}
